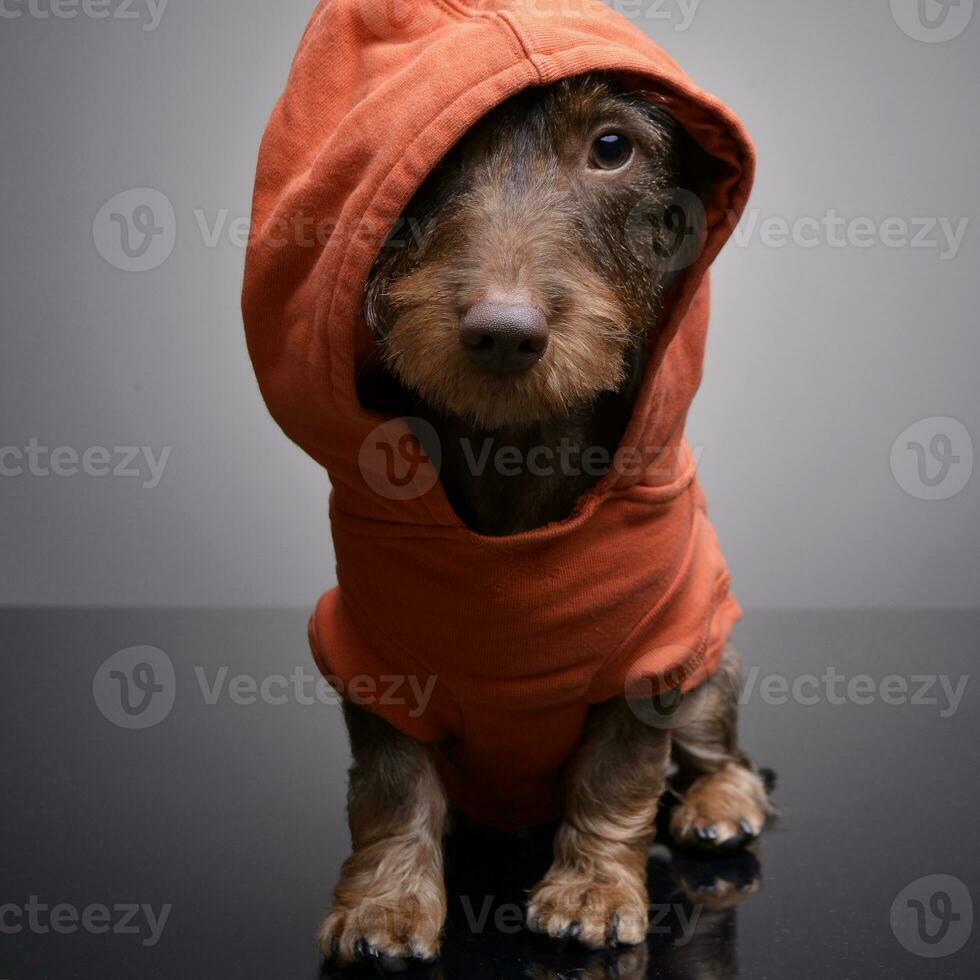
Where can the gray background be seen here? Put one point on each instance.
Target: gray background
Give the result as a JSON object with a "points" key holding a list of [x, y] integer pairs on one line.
{"points": [[820, 357]]}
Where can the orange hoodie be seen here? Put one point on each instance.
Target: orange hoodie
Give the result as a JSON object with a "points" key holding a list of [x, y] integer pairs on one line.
{"points": [[492, 648]]}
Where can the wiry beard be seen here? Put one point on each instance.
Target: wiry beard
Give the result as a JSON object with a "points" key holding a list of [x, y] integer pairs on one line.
{"points": [[590, 338]]}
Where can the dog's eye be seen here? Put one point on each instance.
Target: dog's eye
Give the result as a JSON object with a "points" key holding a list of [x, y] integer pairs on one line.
{"points": [[610, 152]]}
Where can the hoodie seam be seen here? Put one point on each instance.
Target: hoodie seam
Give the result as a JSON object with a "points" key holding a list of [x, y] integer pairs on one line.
{"points": [[461, 9], [520, 48], [511, 25]]}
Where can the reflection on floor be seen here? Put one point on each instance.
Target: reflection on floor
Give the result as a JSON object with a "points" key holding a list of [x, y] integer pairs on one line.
{"points": [[221, 806]]}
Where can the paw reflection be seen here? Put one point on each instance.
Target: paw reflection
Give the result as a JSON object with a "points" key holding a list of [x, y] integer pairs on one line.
{"points": [[622, 964], [718, 884]]}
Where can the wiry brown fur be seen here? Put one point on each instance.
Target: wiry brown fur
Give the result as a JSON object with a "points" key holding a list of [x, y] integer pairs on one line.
{"points": [[515, 215], [390, 903], [724, 799], [524, 218], [596, 889]]}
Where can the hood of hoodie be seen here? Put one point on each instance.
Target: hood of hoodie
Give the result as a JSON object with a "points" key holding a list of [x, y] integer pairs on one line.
{"points": [[511, 638], [377, 95]]}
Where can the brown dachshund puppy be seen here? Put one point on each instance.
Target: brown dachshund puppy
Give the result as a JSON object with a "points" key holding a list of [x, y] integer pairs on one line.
{"points": [[526, 229]]}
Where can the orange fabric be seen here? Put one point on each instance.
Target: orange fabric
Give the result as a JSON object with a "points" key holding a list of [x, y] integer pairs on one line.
{"points": [[519, 634]]}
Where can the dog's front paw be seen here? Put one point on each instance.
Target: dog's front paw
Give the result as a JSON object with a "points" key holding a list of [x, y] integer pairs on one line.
{"points": [[723, 810], [597, 913], [382, 929]]}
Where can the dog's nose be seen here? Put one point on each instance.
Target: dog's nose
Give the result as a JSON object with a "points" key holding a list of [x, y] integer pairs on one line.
{"points": [[504, 337]]}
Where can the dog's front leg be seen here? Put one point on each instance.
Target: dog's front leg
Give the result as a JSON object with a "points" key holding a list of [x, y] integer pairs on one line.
{"points": [[596, 888], [390, 903]]}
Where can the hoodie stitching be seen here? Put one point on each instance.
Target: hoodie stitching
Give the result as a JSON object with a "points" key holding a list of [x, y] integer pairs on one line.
{"points": [[508, 18], [462, 10]]}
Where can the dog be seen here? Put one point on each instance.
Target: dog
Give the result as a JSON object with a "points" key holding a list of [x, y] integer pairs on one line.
{"points": [[523, 311]]}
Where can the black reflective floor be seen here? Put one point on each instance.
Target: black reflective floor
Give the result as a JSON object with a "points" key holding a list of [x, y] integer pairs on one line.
{"points": [[190, 824]]}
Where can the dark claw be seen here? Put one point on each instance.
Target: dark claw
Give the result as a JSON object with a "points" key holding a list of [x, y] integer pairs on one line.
{"points": [[421, 957], [612, 933], [571, 931], [335, 948], [375, 956], [707, 833]]}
